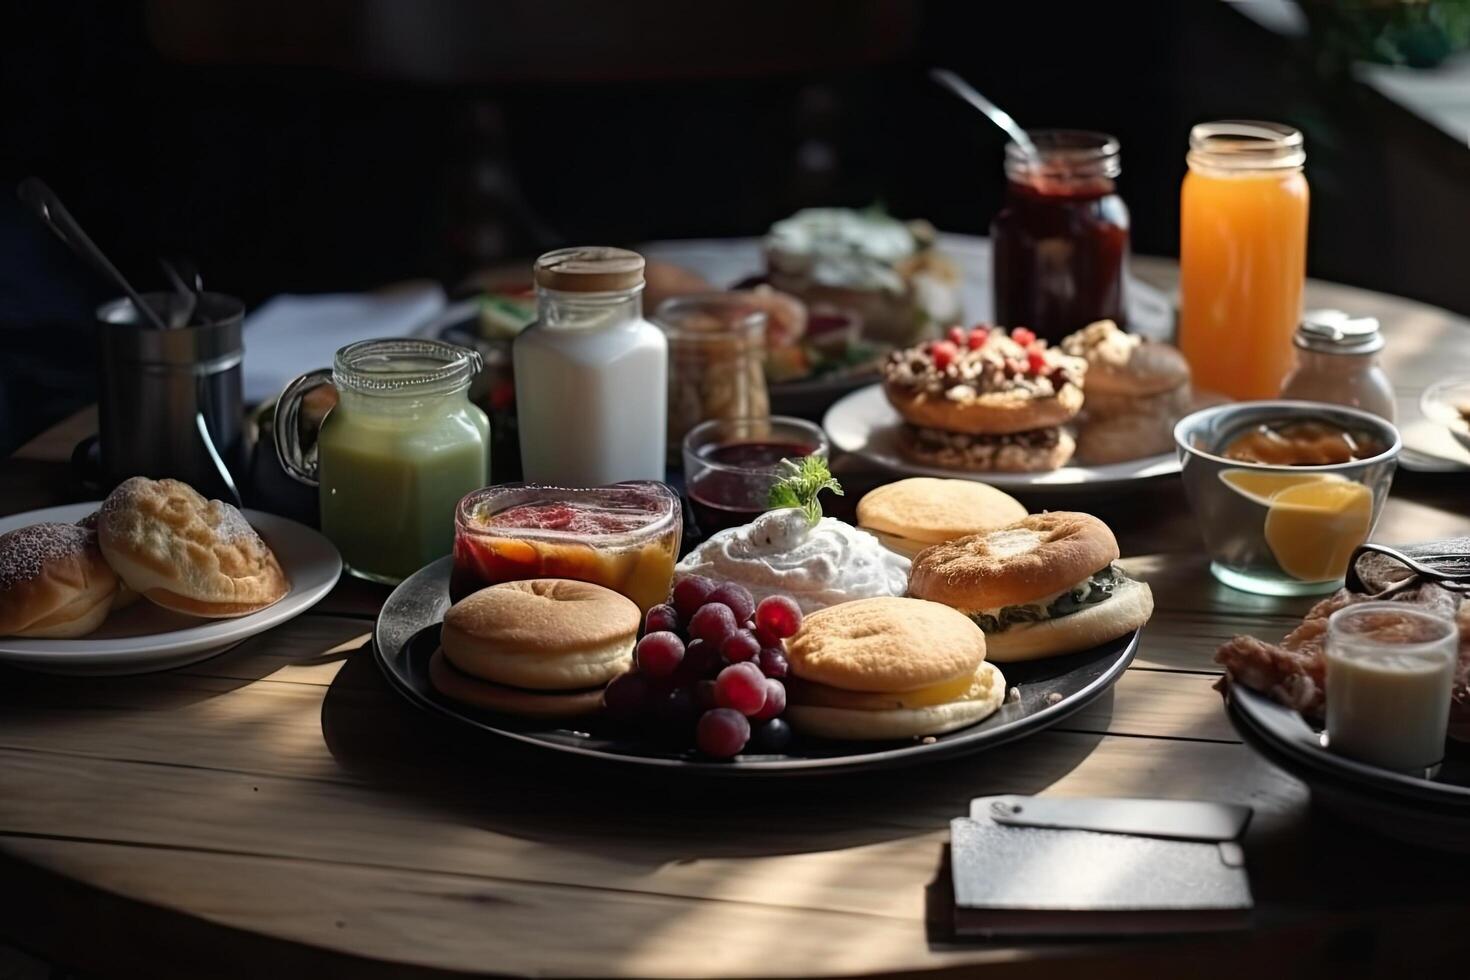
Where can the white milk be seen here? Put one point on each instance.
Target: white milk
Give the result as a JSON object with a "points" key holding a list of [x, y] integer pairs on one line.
{"points": [[1388, 699], [591, 377]]}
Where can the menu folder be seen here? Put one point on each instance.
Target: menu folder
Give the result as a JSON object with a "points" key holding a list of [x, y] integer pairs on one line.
{"points": [[1032, 867]]}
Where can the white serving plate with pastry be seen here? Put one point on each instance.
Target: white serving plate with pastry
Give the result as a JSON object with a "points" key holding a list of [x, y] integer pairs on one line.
{"points": [[145, 637], [865, 424]]}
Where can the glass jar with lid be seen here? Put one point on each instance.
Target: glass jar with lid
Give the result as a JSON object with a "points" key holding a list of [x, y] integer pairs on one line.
{"points": [[1060, 243], [397, 450], [1337, 361], [717, 350], [591, 373]]}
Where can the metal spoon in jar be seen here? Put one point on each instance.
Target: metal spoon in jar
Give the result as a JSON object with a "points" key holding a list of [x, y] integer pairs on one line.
{"points": [[993, 112]]}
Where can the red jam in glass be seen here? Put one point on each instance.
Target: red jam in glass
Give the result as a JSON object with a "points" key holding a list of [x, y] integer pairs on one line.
{"points": [[734, 489], [1060, 242], [625, 537]]}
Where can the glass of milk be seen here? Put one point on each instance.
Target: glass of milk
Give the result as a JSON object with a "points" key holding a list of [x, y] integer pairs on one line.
{"points": [[1389, 670]]}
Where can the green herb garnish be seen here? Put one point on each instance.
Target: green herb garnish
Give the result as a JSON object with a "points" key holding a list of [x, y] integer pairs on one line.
{"points": [[800, 487]]}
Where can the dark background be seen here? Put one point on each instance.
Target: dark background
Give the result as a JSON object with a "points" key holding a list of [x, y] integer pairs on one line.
{"points": [[344, 144]]}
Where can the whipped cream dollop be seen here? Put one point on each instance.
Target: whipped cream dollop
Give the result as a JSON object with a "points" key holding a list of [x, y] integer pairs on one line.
{"points": [[782, 553]]}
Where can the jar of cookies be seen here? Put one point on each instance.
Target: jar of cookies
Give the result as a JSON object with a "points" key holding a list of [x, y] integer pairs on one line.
{"points": [[717, 345]]}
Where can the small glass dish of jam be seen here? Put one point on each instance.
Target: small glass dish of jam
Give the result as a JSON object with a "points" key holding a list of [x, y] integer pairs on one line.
{"points": [[730, 465], [625, 536], [1284, 491]]}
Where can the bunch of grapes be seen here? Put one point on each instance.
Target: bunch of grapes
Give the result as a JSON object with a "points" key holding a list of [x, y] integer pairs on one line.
{"points": [[710, 665]]}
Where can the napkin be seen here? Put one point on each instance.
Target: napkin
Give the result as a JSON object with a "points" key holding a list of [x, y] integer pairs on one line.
{"points": [[290, 335]]}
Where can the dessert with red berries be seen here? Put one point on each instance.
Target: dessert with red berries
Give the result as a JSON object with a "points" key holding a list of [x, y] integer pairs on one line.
{"points": [[625, 537], [986, 399]]}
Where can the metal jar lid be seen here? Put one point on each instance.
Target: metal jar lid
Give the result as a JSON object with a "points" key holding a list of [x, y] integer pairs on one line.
{"points": [[1335, 332]]}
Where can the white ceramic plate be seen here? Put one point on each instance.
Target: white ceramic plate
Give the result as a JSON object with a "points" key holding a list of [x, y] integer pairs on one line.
{"points": [[865, 424], [145, 637]]}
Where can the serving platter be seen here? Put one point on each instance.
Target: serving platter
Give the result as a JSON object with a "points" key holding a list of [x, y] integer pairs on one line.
{"points": [[144, 638], [1433, 812], [863, 423], [1039, 694]]}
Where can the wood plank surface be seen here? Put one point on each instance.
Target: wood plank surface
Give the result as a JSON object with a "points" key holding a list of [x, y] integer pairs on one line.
{"points": [[278, 809]]}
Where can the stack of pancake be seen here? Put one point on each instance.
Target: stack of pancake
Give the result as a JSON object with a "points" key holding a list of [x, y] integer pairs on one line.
{"points": [[1136, 391]]}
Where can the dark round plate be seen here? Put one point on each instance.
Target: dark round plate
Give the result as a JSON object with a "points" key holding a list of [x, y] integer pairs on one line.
{"points": [[1039, 694]]}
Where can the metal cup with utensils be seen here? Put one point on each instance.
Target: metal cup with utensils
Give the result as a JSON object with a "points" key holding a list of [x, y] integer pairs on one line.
{"points": [[170, 400]]}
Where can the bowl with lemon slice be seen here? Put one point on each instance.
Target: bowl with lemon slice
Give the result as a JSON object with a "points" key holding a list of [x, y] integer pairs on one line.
{"points": [[1285, 490]]}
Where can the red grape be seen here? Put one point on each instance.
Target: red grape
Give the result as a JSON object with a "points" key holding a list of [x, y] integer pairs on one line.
{"points": [[659, 654], [722, 733], [702, 659], [773, 661], [779, 616], [678, 710], [740, 646], [770, 737], [691, 592], [661, 618], [742, 687], [626, 696], [775, 701], [737, 597], [712, 622], [704, 695]]}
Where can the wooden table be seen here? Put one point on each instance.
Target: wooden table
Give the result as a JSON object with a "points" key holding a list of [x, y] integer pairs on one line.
{"points": [[279, 810]]}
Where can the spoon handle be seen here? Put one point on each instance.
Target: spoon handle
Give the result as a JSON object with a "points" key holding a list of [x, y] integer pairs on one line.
{"points": [[49, 208], [997, 115]]}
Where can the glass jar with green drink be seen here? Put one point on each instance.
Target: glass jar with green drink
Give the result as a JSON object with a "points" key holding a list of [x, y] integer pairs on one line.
{"points": [[395, 454]]}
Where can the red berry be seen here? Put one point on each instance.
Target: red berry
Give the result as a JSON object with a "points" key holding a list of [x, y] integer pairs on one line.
{"points": [[740, 646], [663, 617], [701, 659], [659, 654], [737, 597], [691, 592], [956, 336], [773, 661], [1023, 336], [712, 622], [943, 354], [775, 701], [704, 695], [678, 710], [742, 687], [1035, 361], [778, 616], [978, 338], [722, 733]]}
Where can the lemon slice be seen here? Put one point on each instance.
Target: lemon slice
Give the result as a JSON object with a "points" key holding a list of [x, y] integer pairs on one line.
{"points": [[1312, 528], [1263, 486]]}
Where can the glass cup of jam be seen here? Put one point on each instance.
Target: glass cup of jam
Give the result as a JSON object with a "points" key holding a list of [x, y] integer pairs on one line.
{"points": [[731, 464], [625, 536]]}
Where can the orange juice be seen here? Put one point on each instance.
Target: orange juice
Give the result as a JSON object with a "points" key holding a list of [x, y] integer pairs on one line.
{"points": [[1242, 255]]}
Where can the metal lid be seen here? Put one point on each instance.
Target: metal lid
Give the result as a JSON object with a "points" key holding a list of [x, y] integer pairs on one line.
{"points": [[590, 269], [1335, 332]]}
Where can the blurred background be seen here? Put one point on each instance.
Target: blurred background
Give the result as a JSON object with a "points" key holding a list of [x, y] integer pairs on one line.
{"points": [[338, 145]]}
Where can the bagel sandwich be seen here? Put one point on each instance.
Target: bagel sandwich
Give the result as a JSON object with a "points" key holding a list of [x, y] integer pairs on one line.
{"points": [[1041, 587]]}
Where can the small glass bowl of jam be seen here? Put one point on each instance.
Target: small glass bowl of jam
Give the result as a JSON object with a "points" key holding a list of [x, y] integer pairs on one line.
{"points": [[625, 536], [730, 465], [1285, 491]]}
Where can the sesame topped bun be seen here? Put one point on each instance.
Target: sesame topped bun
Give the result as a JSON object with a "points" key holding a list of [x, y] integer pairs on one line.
{"points": [[910, 515], [1120, 363], [1034, 557], [887, 644]]}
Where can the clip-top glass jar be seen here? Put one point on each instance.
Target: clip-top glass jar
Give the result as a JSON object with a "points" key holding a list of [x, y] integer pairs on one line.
{"points": [[1337, 362], [394, 455], [1060, 243], [591, 373], [1242, 255]]}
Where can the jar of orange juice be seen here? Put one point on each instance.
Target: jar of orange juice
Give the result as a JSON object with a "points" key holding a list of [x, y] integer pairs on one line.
{"points": [[1242, 255]]}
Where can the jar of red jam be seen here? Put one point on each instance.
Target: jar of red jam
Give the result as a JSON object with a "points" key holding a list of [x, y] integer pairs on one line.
{"points": [[625, 536], [1060, 242]]}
